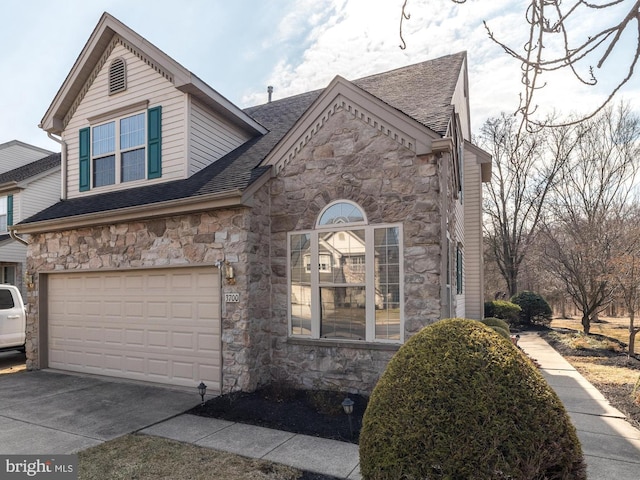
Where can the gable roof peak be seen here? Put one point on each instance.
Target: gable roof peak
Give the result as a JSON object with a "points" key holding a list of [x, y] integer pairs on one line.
{"points": [[90, 56]]}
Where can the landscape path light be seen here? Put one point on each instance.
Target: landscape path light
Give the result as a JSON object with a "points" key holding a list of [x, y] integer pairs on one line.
{"points": [[347, 406], [202, 390]]}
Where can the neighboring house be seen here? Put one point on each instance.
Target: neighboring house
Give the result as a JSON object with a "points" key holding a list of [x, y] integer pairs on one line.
{"points": [[303, 240], [29, 182]]}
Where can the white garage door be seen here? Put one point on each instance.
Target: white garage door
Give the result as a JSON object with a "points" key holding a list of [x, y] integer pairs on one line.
{"points": [[158, 325]]}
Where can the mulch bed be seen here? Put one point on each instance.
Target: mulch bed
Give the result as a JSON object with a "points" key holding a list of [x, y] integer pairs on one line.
{"points": [[317, 413]]}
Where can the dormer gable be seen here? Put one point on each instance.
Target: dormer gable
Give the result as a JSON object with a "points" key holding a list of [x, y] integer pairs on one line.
{"points": [[129, 115], [94, 49]]}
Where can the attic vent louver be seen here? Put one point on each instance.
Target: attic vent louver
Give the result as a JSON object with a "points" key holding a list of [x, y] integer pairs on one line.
{"points": [[117, 76]]}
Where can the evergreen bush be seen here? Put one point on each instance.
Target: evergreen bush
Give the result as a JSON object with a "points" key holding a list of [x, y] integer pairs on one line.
{"points": [[535, 308], [504, 310], [495, 322], [459, 402]]}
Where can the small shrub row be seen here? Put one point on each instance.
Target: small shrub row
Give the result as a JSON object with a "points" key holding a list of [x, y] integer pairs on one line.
{"points": [[525, 308]]}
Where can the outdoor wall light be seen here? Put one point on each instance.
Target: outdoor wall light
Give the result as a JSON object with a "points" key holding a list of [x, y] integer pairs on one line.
{"points": [[202, 390], [347, 406], [229, 274], [28, 279]]}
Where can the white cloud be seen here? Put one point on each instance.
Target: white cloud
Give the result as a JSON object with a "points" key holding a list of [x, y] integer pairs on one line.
{"points": [[295, 45]]}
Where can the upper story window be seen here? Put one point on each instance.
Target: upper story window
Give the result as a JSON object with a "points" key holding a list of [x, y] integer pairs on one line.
{"points": [[6, 213], [117, 76], [3, 215], [345, 278], [122, 140], [121, 150]]}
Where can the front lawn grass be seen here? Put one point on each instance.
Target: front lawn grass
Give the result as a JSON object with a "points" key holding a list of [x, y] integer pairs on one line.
{"points": [[144, 457]]}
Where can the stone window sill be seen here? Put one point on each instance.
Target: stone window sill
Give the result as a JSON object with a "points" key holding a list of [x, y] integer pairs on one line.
{"points": [[321, 342]]}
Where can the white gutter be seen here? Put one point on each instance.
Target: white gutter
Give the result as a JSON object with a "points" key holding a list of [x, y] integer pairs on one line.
{"points": [[63, 164]]}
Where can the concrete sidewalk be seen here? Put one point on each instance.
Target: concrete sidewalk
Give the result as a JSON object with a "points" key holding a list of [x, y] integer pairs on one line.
{"points": [[329, 457], [611, 446]]}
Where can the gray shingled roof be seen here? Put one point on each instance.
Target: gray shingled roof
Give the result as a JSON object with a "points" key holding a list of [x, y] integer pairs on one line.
{"points": [[423, 91], [31, 169]]}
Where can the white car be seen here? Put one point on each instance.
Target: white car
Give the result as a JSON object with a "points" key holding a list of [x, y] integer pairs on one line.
{"points": [[13, 319]]}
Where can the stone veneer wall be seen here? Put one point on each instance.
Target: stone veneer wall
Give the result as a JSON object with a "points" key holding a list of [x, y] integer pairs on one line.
{"points": [[349, 159], [196, 239]]}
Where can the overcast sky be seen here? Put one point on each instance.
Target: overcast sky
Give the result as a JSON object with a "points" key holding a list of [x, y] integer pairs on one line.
{"points": [[239, 47]]}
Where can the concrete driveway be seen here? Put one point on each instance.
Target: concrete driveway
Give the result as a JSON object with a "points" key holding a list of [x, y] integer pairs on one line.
{"points": [[47, 412], [12, 361]]}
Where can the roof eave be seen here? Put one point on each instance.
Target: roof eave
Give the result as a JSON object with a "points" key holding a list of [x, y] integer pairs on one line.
{"points": [[9, 187], [483, 158], [229, 198], [220, 104]]}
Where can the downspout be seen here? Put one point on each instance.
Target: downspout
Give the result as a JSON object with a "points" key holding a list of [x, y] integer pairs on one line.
{"points": [[15, 236], [63, 164]]}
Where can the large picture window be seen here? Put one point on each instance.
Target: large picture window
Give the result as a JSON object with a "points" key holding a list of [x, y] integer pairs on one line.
{"points": [[345, 278]]}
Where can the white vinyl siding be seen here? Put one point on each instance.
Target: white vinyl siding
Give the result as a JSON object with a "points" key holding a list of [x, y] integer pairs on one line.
{"points": [[143, 84], [39, 194], [473, 251], [210, 138], [15, 154], [459, 239]]}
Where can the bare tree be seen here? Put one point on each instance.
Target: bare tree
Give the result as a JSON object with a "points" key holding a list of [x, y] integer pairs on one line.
{"points": [[579, 231], [626, 266], [525, 167], [551, 47]]}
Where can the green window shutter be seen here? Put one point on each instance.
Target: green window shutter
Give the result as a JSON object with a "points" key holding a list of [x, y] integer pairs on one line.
{"points": [[154, 144], [85, 159], [9, 210], [459, 272]]}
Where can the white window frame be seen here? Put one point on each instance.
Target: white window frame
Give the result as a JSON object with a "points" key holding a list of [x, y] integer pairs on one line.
{"points": [[118, 151], [370, 293], [4, 213]]}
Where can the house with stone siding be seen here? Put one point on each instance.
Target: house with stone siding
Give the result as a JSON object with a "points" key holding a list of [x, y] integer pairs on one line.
{"points": [[302, 240]]}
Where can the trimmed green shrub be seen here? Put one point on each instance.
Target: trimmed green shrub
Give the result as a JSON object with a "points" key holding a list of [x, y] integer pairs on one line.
{"points": [[501, 331], [499, 326], [495, 322], [535, 309], [457, 401], [510, 312]]}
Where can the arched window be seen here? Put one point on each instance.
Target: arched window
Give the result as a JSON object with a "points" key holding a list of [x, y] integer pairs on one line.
{"points": [[117, 76], [345, 278], [342, 212]]}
